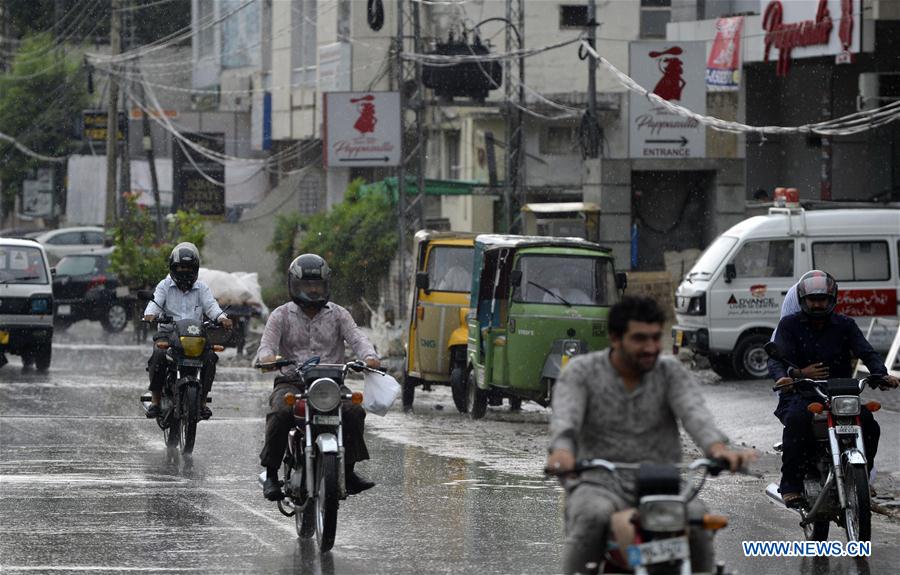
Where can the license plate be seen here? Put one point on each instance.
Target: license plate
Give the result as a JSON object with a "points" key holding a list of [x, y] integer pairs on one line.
{"points": [[846, 429], [326, 420], [679, 337], [64, 309], [658, 551], [191, 362], [4, 337], [122, 291]]}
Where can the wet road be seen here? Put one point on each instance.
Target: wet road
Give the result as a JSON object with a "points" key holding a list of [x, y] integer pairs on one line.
{"points": [[86, 486]]}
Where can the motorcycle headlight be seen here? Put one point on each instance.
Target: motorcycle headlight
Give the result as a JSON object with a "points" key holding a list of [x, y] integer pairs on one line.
{"points": [[845, 405], [571, 348], [324, 395], [192, 345], [662, 513]]}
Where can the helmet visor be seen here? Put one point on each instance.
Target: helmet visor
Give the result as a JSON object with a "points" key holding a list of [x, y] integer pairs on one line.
{"points": [[309, 289]]}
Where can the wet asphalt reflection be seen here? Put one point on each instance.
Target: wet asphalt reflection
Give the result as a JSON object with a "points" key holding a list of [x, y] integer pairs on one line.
{"points": [[87, 486]]}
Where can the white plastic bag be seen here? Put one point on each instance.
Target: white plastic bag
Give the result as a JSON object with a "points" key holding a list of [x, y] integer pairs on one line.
{"points": [[379, 393]]}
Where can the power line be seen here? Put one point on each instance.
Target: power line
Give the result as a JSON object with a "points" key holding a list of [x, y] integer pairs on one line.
{"points": [[28, 151], [843, 126]]}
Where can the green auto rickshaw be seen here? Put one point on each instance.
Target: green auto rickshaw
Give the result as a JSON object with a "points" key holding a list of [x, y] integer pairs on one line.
{"points": [[536, 302], [436, 347]]}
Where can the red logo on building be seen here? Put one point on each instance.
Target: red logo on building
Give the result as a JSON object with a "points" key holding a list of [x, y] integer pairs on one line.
{"points": [[788, 36], [671, 84], [365, 124]]}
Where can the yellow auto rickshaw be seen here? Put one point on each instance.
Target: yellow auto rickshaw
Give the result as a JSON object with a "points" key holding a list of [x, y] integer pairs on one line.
{"points": [[436, 348]]}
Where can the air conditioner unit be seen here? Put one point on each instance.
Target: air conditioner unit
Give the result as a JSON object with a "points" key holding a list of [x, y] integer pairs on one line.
{"points": [[877, 89]]}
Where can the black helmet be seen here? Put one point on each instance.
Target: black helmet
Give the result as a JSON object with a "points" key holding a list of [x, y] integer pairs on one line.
{"points": [[308, 281], [820, 283], [183, 255]]}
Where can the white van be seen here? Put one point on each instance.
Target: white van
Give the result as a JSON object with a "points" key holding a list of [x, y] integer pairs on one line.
{"points": [[26, 303], [730, 302]]}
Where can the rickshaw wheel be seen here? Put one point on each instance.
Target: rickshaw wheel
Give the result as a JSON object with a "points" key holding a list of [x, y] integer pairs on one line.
{"points": [[476, 398], [458, 388]]}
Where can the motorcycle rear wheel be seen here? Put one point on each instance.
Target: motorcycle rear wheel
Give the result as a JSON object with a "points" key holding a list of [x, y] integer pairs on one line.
{"points": [[858, 514], [326, 501], [190, 413]]}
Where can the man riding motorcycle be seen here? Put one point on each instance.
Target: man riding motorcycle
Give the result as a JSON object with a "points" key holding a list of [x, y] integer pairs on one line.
{"points": [[822, 341], [184, 297], [308, 326], [623, 404]]}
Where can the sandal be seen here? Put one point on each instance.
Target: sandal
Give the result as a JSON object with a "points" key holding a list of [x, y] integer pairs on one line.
{"points": [[793, 500]]}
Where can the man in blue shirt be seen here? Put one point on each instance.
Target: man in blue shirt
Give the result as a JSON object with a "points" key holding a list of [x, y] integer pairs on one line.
{"points": [[183, 297], [822, 341]]}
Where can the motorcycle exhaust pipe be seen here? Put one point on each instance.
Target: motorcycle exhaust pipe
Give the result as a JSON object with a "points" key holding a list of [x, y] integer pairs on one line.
{"points": [[772, 492]]}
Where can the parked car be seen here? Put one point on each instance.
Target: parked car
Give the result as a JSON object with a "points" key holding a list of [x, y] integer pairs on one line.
{"points": [[85, 288], [66, 241], [26, 303], [19, 233]]}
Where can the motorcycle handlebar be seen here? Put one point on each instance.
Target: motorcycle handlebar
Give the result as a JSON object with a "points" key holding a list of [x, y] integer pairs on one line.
{"points": [[872, 380], [711, 466]]}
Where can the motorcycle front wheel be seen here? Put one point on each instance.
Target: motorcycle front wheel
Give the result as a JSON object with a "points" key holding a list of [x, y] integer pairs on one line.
{"points": [[858, 514], [326, 501], [190, 413]]}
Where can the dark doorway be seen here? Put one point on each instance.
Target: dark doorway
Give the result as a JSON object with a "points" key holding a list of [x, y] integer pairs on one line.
{"points": [[672, 211]]}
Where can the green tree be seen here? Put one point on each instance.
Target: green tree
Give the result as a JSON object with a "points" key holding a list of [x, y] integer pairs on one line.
{"points": [[357, 237], [41, 97], [82, 21], [139, 259]]}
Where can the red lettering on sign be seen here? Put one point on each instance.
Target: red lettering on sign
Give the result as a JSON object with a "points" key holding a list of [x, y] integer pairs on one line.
{"points": [[867, 302], [786, 37]]}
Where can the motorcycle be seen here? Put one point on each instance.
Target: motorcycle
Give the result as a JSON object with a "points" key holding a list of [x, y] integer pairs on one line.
{"points": [[662, 523], [314, 481], [186, 342], [836, 484]]}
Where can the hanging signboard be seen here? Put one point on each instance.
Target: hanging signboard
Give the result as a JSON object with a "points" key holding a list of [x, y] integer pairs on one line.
{"points": [[193, 172], [675, 72], [94, 124], [723, 67], [362, 129]]}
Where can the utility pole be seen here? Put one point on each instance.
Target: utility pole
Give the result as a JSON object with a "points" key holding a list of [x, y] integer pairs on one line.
{"points": [[125, 171], [409, 74], [514, 95], [401, 172], [151, 161], [592, 145], [112, 116]]}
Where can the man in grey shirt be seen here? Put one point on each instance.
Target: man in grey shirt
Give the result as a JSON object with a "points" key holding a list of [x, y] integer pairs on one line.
{"points": [[305, 327], [623, 404]]}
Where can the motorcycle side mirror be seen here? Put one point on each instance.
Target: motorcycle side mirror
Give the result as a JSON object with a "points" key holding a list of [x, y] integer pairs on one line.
{"points": [[621, 280], [730, 272], [145, 295], [515, 278], [772, 350]]}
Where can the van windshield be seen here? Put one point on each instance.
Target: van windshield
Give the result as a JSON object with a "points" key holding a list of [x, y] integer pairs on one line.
{"points": [[566, 280], [22, 265], [450, 268], [712, 258]]}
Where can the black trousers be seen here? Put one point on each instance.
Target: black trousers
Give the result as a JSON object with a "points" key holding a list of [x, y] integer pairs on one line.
{"points": [[799, 445], [280, 420], [158, 364]]}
